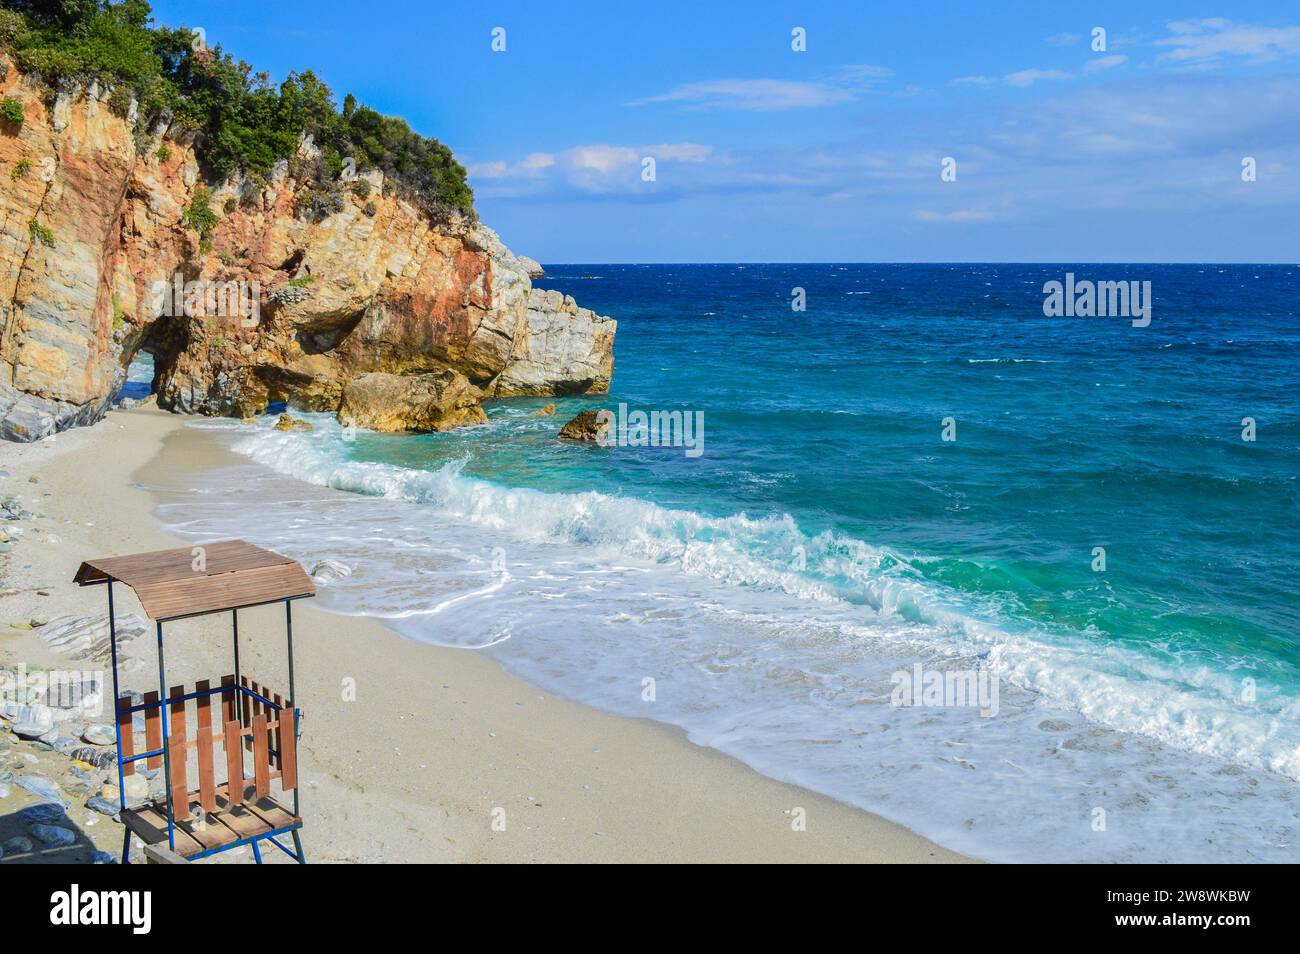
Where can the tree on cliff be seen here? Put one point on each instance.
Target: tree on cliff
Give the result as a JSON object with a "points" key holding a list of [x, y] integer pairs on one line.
{"points": [[241, 121]]}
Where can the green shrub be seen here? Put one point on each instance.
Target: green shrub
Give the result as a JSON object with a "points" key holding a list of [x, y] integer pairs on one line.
{"points": [[11, 112], [41, 233], [247, 123], [20, 169], [198, 215], [164, 154], [11, 25], [370, 209], [302, 281], [119, 101], [361, 189], [230, 205]]}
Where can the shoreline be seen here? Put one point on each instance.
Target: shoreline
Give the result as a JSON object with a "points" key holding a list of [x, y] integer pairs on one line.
{"points": [[436, 738]]}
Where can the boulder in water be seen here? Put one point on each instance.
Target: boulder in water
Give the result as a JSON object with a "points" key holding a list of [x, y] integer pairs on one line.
{"points": [[393, 403], [590, 426]]}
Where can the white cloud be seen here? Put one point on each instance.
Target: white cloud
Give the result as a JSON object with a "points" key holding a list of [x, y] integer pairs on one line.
{"points": [[1104, 63], [488, 170], [531, 164], [1030, 77], [592, 168], [536, 161], [602, 159], [773, 94], [1206, 41]]}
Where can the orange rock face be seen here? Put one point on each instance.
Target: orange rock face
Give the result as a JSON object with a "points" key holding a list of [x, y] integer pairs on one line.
{"points": [[97, 263]]}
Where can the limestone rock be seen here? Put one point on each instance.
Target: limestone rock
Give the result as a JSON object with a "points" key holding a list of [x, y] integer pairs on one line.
{"points": [[437, 401], [343, 296], [531, 266], [589, 426], [287, 422], [547, 410]]}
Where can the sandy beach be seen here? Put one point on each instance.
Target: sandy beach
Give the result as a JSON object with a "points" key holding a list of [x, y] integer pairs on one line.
{"points": [[412, 768]]}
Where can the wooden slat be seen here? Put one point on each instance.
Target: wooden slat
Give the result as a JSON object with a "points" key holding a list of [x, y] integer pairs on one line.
{"points": [[153, 739], [208, 831], [228, 701], [159, 566], [204, 739], [245, 702], [271, 813], [234, 763], [278, 758], [125, 730], [159, 855], [151, 826], [179, 754], [261, 762], [288, 735], [235, 573], [210, 594]]}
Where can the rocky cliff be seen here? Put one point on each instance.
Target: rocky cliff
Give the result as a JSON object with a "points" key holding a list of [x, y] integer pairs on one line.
{"points": [[98, 225]]}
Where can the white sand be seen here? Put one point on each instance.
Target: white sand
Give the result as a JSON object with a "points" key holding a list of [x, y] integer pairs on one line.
{"points": [[436, 739]]}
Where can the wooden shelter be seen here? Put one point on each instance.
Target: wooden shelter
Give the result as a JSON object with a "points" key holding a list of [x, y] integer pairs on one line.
{"points": [[257, 729]]}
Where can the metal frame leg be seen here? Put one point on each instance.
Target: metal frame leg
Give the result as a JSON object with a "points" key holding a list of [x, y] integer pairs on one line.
{"points": [[257, 852], [167, 748], [117, 727], [297, 844]]}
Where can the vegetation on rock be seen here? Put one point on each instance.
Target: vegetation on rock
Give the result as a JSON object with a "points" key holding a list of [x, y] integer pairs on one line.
{"points": [[244, 123], [41, 233]]}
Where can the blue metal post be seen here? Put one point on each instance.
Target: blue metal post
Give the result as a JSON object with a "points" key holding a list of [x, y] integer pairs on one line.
{"points": [[293, 694], [167, 749], [117, 726], [234, 615]]}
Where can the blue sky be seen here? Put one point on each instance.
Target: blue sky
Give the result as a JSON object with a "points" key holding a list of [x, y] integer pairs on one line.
{"points": [[1063, 153]]}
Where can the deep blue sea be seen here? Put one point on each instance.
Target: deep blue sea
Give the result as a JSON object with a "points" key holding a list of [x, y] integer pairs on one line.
{"points": [[1099, 539]]}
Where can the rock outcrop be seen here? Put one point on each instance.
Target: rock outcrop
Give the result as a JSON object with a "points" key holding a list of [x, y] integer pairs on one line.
{"points": [[95, 254], [436, 401], [588, 426]]}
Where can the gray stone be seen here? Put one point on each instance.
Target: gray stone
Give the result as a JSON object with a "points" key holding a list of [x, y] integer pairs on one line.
{"points": [[32, 722], [97, 734], [98, 803], [44, 812], [42, 788], [92, 755], [55, 836], [86, 637], [64, 744]]}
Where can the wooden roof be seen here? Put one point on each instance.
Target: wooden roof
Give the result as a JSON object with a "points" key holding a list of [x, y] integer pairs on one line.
{"points": [[234, 574]]}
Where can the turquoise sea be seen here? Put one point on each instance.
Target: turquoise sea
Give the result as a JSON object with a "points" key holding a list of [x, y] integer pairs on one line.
{"points": [[763, 594]]}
